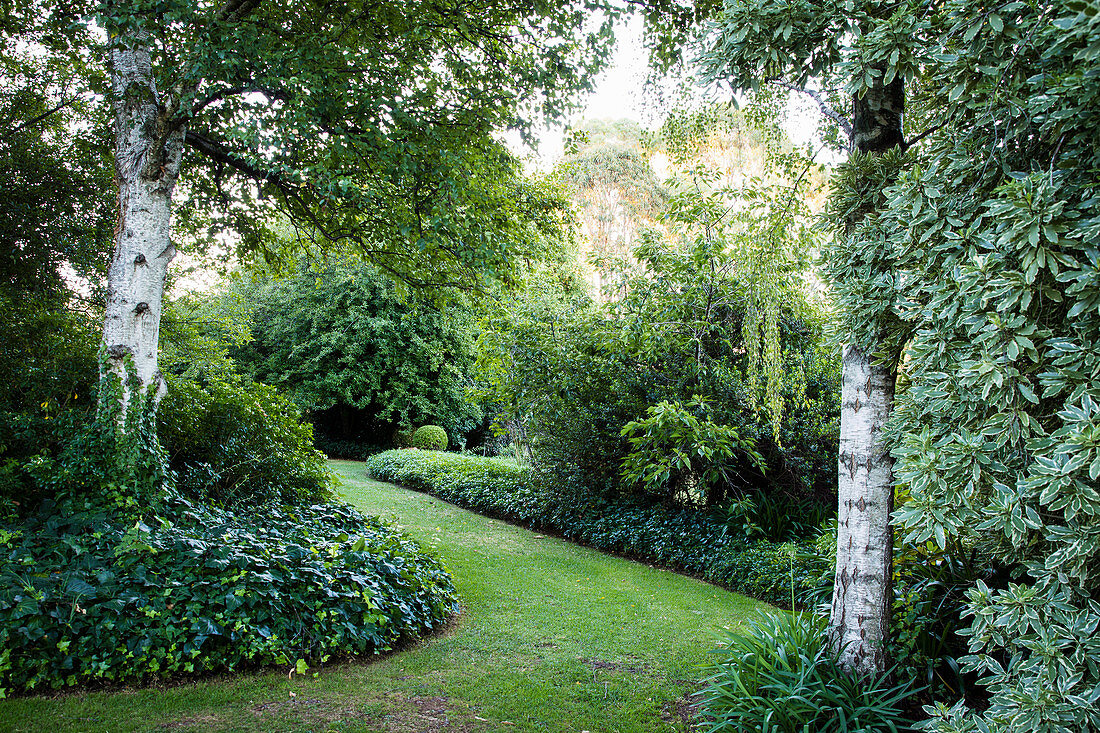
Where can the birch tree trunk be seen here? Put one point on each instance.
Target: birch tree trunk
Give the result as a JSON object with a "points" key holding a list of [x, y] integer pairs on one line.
{"points": [[148, 149], [862, 592]]}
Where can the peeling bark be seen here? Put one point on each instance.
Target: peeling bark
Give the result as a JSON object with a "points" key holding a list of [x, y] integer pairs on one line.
{"points": [[148, 150]]}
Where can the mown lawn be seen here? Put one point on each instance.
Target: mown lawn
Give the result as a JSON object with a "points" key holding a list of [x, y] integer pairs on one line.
{"points": [[552, 637]]}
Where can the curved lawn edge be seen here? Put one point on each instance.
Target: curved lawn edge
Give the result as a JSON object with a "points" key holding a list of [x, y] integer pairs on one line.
{"points": [[687, 541], [552, 636]]}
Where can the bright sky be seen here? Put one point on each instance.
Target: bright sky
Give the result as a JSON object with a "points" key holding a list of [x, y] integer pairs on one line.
{"points": [[619, 95]]}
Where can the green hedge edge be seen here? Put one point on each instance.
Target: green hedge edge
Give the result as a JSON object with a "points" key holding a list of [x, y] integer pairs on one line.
{"points": [[691, 541]]}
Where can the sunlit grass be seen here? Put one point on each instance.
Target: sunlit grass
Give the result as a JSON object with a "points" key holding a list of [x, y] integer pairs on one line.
{"points": [[552, 637]]}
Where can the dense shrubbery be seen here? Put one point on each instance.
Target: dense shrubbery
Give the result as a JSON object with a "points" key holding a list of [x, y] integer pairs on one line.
{"points": [[113, 573], [359, 352], [724, 548], [47, 378], [779, 675], [233, 441], [91, 594], [564, 378]]}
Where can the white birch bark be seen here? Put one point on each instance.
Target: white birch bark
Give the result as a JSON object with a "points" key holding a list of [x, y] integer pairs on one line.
{"points": [[859, 619], [859, 623], [148, 149]]}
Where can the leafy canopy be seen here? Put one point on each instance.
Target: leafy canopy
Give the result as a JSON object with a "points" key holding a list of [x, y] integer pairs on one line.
{"points": [[343, 334], [368, 123]]}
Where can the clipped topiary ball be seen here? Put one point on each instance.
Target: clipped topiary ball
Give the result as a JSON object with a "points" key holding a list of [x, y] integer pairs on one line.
{"points": [[430, 437]]}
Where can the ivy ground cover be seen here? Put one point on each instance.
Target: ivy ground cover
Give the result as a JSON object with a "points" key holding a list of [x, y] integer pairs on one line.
{"points": [[552, 636]]}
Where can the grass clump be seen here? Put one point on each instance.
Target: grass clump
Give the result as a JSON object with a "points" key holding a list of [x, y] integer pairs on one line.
{"points": [[779, 676]]}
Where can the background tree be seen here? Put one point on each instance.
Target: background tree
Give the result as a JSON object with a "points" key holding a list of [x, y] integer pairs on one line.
{"points": [[371, 125], [358, 355], [614, 190], [573, 373]]}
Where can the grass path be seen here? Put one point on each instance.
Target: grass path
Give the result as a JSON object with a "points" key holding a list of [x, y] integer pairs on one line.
{"points": [[552, 637]]}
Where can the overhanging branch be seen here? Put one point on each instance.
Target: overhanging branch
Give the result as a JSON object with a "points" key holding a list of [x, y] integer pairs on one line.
{"points": [[841, 121]]}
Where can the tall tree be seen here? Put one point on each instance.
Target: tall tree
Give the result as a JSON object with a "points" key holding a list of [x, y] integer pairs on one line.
{"points": [[831, 52], [614, 191], [363, 122]]}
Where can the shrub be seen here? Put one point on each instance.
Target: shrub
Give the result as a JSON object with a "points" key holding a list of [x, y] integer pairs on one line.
{"points": [[402, 437], [692, 540], [232, 441], [780, 676], [90, 595], [430, 437], [677, 444], [571, 374]]}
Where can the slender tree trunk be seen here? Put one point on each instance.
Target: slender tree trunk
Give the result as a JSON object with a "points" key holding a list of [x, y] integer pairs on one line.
{"points": [[862, 592], [148, 148]]}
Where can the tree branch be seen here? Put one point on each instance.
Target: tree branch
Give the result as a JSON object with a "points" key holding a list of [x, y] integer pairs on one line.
{"points": [[38, 118], [218, 152], [227, 92], [293, 195], [926, 133], [826, 110]]}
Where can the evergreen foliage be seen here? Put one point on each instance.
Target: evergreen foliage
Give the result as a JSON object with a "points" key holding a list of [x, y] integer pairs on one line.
{"points": [[997, 286], [429, 437], [93, 595], [974, 254], [117, 576], [343, 340]]}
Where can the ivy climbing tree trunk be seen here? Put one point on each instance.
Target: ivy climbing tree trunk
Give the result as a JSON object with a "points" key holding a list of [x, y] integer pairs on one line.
{"points": [[862, 592], [148, 149]]}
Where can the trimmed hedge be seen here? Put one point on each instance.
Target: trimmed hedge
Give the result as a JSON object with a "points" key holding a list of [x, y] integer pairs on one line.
{"points": [[88, 595], [690, 540]]}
